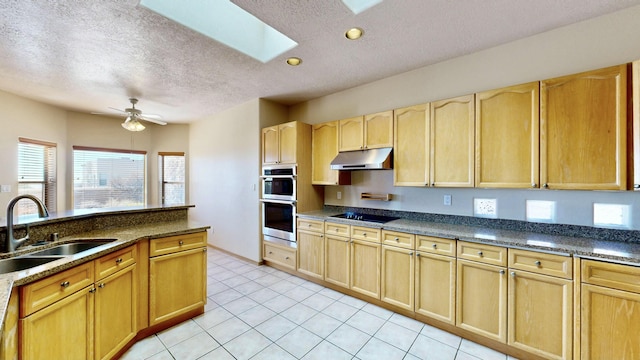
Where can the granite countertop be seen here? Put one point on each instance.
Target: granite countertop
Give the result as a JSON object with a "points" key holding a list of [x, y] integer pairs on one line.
{"points": [[616, 251], [122, 237]]}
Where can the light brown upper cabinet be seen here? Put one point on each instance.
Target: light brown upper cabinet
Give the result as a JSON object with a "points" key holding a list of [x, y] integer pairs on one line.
{"points": [[507, 124], [583, 130], [324, 148], [452, 142], [366, 132], [279, 143], [411, 146]]}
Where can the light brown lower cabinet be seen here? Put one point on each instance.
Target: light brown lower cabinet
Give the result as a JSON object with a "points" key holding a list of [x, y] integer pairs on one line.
{"points": [[398, 271], [365, 267], [69, 316], [177, 280], [311, 251], [337, 260], [436, 286], [610, 311]]}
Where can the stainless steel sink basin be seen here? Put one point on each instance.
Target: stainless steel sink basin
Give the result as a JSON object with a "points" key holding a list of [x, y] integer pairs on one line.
{"points": [[23, 263], [71, 248]]}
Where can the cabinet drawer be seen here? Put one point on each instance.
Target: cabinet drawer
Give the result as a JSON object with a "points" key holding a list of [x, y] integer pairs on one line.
{"points": [[398, 239], [310, 225], [436, 245], [483, 253], [616, 276], [541, 263], [366, 234], [337, 229], [45, 292], [280, 255], [111, 263], [168, 245]]}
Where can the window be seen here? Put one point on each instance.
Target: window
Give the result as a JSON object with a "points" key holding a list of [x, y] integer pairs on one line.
{"points": [[171, 170], [36, 174], [106, 178]]}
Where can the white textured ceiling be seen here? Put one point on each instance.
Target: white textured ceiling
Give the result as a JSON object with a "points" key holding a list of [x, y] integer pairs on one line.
{"points": [[91, 55]]}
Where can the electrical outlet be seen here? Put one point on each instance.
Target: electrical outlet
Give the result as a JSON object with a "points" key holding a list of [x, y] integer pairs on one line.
{"points": [[5, 188], [447, 200], [485, 208], [339, 195]]}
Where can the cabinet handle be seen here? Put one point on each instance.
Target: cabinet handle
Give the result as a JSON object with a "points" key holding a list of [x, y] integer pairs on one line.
{"points": [[364, 234], [180, 242], [270, 252], [502, 272], [321, 236], [513, 274], [433, 184], [537, 263], [435, 246], [102, 285], [286, 258], [204, 250], [92, 290], [480, 253], [411, 254], [546, 186], [65, 284], [397, 240], [417, 254], [533, 185], [309, 225], [118, 260]]}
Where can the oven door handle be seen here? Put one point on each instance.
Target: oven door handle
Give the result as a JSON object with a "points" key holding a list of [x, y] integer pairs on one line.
{"points": [[285, 202], [292, 177]]}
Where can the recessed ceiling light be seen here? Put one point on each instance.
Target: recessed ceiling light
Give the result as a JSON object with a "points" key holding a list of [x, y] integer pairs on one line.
{"points": [[294, 61], [358, 6], [354, 33]]}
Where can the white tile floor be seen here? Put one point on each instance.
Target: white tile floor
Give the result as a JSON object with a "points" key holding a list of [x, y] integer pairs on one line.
{"points": [[257, 312]]}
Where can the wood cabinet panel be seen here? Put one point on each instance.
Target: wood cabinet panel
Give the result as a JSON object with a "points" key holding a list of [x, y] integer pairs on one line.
{"points": [[583, 136], [540, 314], [617, 276], [541, 263], [436, 245], [279, 255], [365, 233], [270, 145], [365, 268], [378, 130], [483, 253], [507, 140], [331, 228], [311, 225], [482, 299], [452, 142], [351, 134], [324, 148], [172, 244], [435, 287], [337, 260], [287, 142], [398, 273], [411, 146], [116, 261], [398, 239], [311, 253]]}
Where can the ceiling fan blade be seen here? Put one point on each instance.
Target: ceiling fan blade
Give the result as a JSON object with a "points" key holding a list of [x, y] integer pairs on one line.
{"points": [[155, 121], [151, 116], [118, 110]]}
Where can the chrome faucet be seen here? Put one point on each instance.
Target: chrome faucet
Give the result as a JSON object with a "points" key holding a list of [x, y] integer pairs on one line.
{"points": [[11, 243]]}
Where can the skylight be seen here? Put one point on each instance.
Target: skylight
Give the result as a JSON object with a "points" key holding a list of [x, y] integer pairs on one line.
{"points": [[227, 23], [358, 6]]}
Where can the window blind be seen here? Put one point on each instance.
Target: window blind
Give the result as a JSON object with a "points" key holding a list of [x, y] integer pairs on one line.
{"points": [[106, 178], [36, 174], [172, 178]]}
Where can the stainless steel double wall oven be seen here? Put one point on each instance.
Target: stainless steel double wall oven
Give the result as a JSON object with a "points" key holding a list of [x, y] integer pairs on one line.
{"points": [[279, 202]]}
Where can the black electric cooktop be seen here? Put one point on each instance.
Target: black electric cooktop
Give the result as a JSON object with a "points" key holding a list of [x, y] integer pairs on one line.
{"points": [[365, 217]]}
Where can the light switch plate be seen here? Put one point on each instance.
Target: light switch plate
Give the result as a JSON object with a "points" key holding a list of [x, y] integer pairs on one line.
{"points": [[485, 208], [5, 188], [447, 200], [541, 211]]}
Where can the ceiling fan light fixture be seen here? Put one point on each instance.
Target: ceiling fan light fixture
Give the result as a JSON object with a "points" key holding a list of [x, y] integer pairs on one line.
{"points": [[132, 124]]}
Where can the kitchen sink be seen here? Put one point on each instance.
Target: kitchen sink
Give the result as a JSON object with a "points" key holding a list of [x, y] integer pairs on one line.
{"points": [[71, 248], [23, 263]]}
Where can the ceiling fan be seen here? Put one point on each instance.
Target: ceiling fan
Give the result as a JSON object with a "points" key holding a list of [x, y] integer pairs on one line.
{"points": [[132, 122]]}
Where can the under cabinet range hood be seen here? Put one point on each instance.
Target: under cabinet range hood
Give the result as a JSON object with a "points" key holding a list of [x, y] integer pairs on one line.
{"points": [[369, 159]]}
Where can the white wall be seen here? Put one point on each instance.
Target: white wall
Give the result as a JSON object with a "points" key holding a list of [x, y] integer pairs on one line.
{"points": [[225, 165], [592, 44], [21, 117]]}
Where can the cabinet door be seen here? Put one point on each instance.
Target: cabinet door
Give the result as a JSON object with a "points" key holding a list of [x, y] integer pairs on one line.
{"points": [[378, 130], [115, 312], [177, 284], [507, 124], [436, 287], [482, 299], [411, 146], [311, 254], [351, 134], [324, 148], [270, 148], [287, 137], [337, 260], [365, 268], [452, 142], [398, 271], [540, 314], [610, 323], [63, 330], [583, 130]]}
